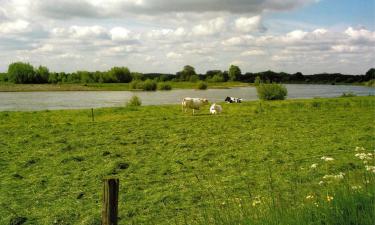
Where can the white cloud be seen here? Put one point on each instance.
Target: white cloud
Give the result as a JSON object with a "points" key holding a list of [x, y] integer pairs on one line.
{"points": [[238, 41], [360, 34], [174, 55], [255, 52], [119, 8], [14, 27], [249, 24], [211, 27], [120, 34]]}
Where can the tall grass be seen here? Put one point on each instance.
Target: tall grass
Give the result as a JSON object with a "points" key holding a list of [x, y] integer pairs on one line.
{"points": [[340, 199]]}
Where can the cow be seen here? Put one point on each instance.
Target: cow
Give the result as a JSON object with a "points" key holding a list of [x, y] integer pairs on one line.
{"points": [[193, 103], [233, 100], [215, 109]]}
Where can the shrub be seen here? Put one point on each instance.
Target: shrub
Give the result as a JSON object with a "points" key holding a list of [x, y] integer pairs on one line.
{"points": [[165, 86], [217, 78], [202, 86], [272, 91], [150, 85], [134, 101], [370, 83], [136, 84], [348, 94]]}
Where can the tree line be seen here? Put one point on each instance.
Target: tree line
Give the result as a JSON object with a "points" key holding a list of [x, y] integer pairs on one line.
{"points": [[25, 73]]}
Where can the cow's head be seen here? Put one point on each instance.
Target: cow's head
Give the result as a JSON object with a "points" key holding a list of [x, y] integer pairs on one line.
{"points": [[227, 99], [205, 101]]}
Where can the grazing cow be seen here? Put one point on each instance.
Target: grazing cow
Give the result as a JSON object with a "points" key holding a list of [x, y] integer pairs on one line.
{"points": [[233, 100], [193, 103], [215, 109]]}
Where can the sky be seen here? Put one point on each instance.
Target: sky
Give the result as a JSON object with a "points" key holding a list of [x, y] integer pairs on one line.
{"points": [[308, 36]]}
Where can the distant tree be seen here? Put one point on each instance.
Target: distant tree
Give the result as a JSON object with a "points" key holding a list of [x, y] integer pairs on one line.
{"points": [[234, 73], [370, 75], [257, 81], [3, 77], [121, 74], [194, 78], [41, 75], [21, 73], [136, 76], [53, 78], [186, 73]]}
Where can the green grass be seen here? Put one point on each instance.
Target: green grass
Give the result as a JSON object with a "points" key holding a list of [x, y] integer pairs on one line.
{"points": [[175, 168], [9, 87]]}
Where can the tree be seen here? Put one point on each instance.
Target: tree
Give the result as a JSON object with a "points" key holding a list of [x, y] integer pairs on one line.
{"points": [[121, 74], [234, 73], [41, 75], [370, 75], [186, 73], [21, 73]]}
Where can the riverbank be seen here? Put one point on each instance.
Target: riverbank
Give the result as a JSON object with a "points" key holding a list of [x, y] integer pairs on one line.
{"points": [[9, 87], [254, 162]]}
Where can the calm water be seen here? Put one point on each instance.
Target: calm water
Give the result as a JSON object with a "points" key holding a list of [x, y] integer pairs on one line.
{"points": [[25, 101]]}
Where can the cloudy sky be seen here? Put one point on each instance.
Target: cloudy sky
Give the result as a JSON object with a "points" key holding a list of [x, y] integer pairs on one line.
{"points": [[310, 36]]}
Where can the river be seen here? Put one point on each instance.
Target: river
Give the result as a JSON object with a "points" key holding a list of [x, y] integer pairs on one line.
{"points": [[32, 101]]}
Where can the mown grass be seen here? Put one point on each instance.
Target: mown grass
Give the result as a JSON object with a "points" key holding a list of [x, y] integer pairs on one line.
{"points": [[9, 87], [249, 165]]}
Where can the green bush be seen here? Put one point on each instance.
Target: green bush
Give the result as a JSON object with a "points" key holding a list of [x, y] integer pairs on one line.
{"points": [[134, 101], [150, 85], [348, 94], [370, 83], [217, 78], [136, 84], [165, 86], [272, 91], [202, 86]]}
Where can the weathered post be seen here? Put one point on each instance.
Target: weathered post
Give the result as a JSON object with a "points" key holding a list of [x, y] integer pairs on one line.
{"points": [[110, 201], [92, 114]]}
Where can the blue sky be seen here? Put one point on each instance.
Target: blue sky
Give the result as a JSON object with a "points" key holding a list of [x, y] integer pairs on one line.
{"points": [[333, 13], [309, 36]]}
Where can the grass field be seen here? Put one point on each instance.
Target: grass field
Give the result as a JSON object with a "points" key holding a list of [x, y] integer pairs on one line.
{"points": [[257, 163], [9, 87]]}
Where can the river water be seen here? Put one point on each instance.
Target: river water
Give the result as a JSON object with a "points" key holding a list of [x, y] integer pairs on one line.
{"points": [[31, 101]]}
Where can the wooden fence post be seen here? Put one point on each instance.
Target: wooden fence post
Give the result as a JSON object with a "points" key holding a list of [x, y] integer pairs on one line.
{"points": [[110, 201], [92, 114]]}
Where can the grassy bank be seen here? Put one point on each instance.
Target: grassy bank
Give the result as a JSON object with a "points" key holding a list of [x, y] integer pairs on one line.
{"points": [[9, 87], [257, 163]]}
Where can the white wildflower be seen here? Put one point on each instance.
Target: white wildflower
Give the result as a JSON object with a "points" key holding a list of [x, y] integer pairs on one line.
{"points": [[357, 149], [310, 197], [335, 177], [370, 168], [364, 156], [325, 158], [321, 182], [313, 166], [356, 187], [256, 201]]}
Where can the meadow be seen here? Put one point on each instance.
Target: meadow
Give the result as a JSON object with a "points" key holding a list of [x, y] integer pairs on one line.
{"points": [[280, 162]]}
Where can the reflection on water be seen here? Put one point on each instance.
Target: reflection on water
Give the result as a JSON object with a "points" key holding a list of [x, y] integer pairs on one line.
{"points": [[14, 101]]}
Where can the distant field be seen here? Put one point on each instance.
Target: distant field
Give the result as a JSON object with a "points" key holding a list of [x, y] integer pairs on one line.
{"points": [[253, 164], [9, 87]]}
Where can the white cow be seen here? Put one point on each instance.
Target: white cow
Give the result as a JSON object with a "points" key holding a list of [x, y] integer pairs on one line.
{"points": [[215, 109], [193, 103]]}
